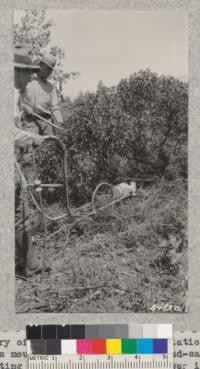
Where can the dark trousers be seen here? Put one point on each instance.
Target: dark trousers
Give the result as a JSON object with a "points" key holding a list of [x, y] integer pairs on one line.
{"points": [[24, 250]]}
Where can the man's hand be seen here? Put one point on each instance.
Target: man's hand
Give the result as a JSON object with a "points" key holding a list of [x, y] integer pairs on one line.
{"points": [[28, 110], [37, 140]]}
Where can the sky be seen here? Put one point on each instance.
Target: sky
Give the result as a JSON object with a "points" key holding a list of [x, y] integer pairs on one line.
{"points": [[111, 45]]}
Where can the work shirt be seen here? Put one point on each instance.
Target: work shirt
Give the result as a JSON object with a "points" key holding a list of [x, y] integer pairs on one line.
{"points": [[22, 138], [42, 97]]}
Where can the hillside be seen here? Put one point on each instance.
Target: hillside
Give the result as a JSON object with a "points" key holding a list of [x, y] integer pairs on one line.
{"points": [[133, 255], [126, 259]]}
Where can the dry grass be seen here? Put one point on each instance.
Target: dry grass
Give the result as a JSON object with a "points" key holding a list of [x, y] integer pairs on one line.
{"points": [[124, 259]]}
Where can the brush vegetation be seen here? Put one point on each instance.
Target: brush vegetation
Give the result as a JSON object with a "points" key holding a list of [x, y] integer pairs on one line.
{"points": [[134, 254]]}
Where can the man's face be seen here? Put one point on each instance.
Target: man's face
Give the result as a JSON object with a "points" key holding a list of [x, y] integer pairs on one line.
{"points": [[23, 77], [45, 71]]}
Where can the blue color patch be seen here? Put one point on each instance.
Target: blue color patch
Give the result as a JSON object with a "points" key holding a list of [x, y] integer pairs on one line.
{"points": [[145, 346], [160, 346]]}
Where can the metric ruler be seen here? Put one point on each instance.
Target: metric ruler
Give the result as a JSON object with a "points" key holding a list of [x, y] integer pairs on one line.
{"points": [[159, 361]]}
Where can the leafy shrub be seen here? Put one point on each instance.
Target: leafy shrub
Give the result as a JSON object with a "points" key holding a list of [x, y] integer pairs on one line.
{"points": [[138, 128]]}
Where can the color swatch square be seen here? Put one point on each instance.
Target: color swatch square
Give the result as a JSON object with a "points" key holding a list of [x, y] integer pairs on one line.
{"points": [[135, 331], [33, 332], [48, 331], [165, 331], [99, 346], [38, 347], [160, 346], [28, 347], [53, 347], [77, 331], [149, 331], [68, 347], [129, 346], [170, 346], [145, 346], [120, 331], [84, 346], [113, 346], [63, 332], [92, 331], [106, 331]]}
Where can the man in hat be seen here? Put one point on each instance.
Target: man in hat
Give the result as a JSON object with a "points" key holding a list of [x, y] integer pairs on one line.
{"points": [[40, 97], [28, 262]]}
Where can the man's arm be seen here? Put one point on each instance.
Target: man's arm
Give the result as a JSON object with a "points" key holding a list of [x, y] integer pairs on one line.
{"points": [[26, 139], [55, 109]]}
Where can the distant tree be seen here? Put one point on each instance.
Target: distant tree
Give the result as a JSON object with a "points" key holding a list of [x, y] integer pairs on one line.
{"points": [[34, 30], [99, 85]]}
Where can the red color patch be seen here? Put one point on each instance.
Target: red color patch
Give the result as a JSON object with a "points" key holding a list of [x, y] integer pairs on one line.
{"points": [[99, 346]]}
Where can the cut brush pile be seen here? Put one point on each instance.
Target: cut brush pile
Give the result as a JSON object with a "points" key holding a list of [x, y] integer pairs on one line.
{"points": [[131, 257]]}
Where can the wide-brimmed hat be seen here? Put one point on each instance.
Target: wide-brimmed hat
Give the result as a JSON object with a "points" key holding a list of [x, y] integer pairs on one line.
{"points": [[49, 60], [23, 60]]}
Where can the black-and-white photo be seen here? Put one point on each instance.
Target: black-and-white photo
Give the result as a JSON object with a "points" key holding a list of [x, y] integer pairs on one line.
{"points": [[101, 132]]}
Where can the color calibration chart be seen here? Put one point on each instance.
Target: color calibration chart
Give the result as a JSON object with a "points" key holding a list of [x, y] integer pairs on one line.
{"points": [[106, 346]]}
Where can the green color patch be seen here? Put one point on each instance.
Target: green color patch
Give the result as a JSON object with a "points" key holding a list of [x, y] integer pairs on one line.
{"points": [[129, 346]]}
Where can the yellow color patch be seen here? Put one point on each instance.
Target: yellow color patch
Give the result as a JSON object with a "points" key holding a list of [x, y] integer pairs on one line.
{"points": [[113, 346]]}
